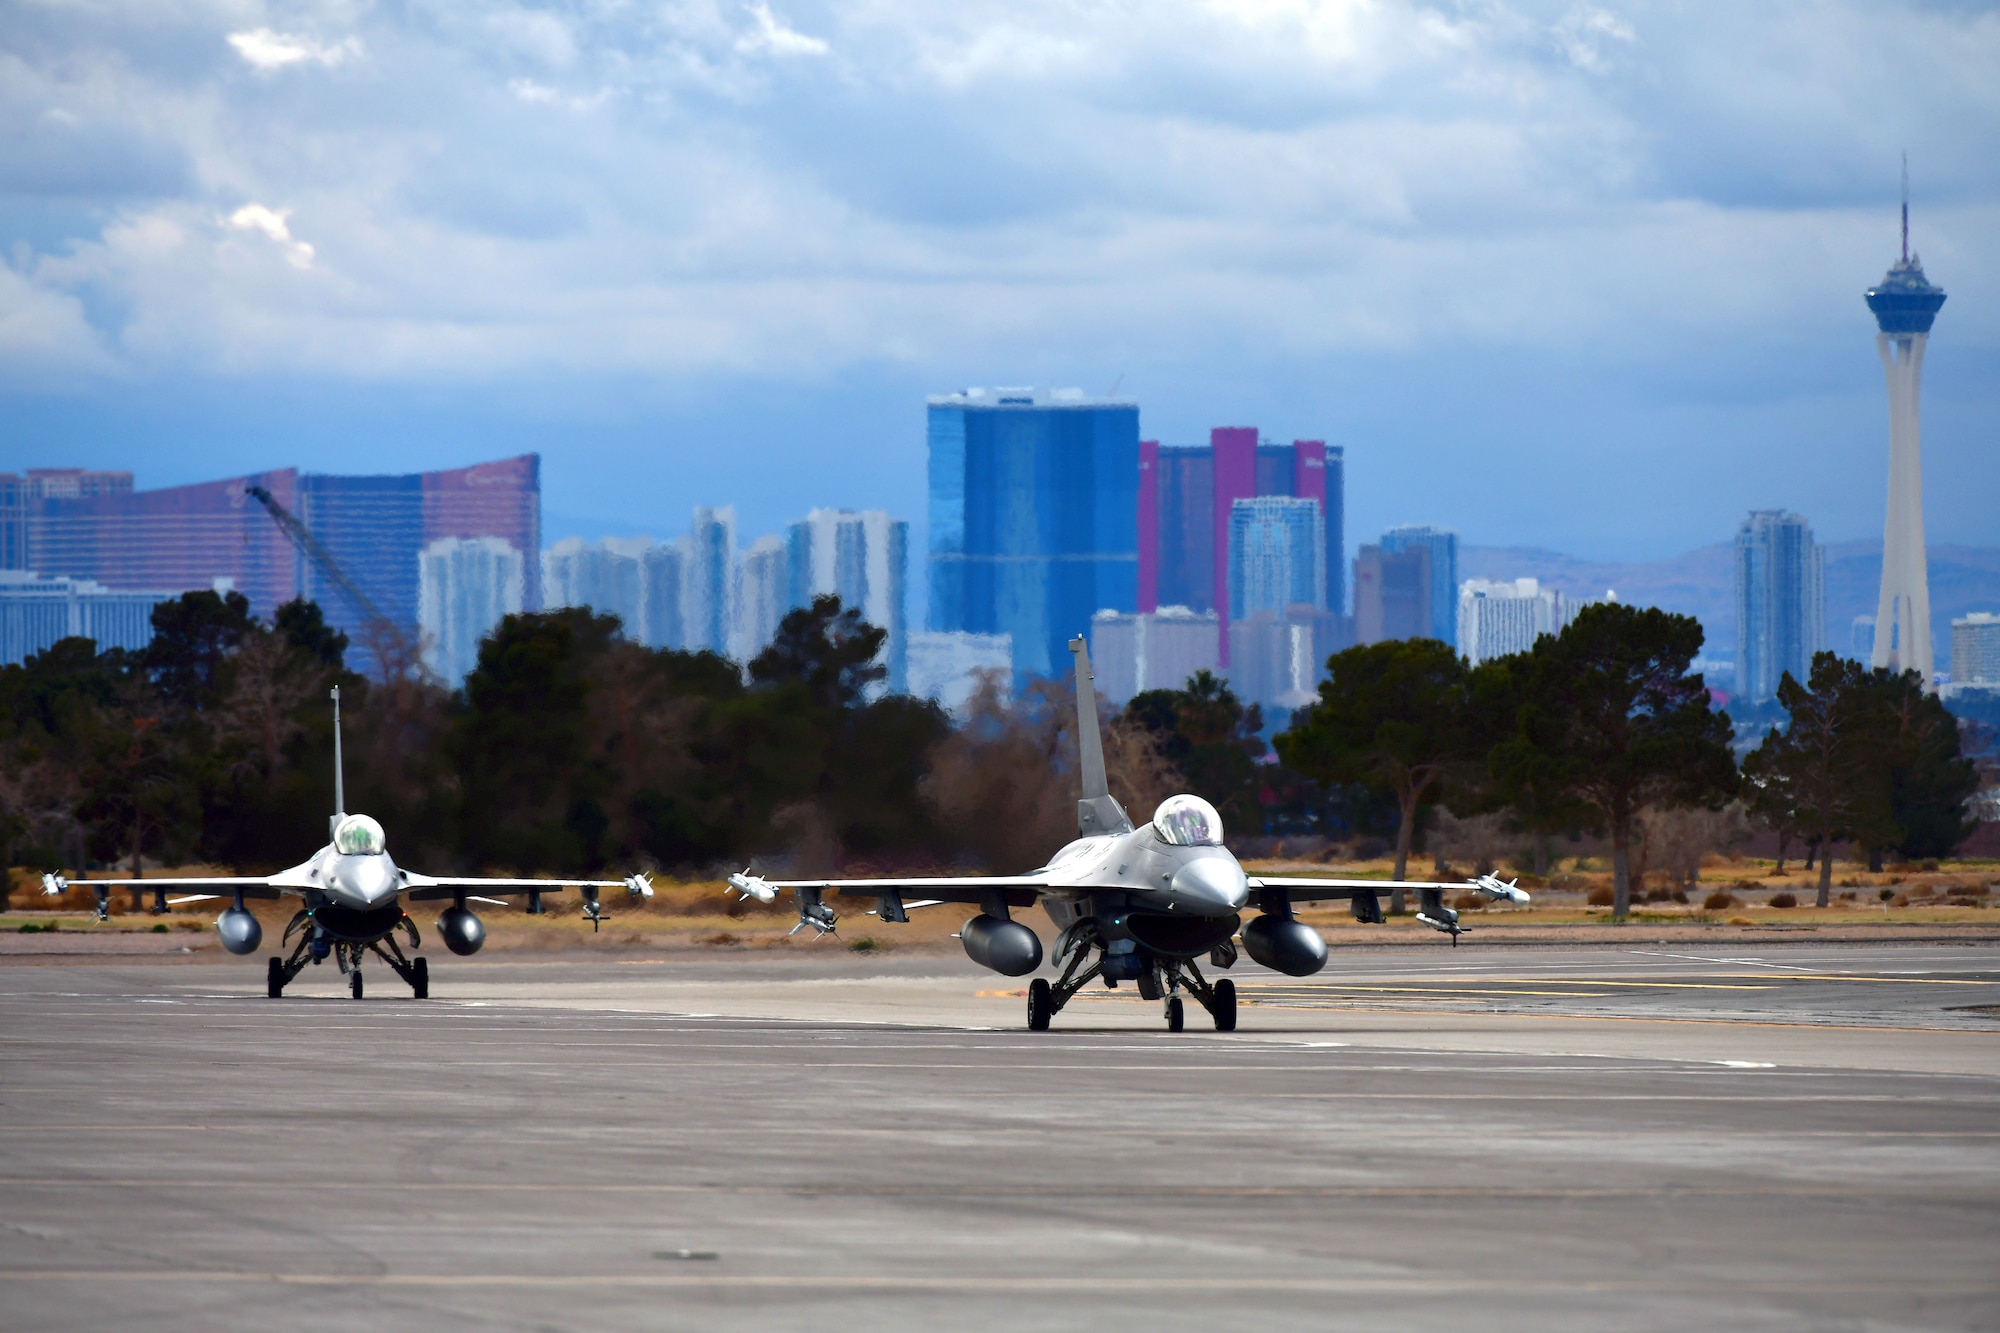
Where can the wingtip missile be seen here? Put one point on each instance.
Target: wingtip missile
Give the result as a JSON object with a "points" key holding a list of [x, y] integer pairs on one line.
{"points": [[639, 885], [1494, 887], [54, 886], [753, 886]]}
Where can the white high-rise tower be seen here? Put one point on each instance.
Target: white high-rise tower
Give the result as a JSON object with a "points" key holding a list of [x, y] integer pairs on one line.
{"points": [[1904, 306]]}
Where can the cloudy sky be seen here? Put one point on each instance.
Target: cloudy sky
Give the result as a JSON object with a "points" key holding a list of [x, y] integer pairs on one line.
{"points": [[1583, 276]]}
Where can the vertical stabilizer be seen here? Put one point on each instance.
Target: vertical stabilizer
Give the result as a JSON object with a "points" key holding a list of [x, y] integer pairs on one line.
{"points": [[1096, 811], [339, 778]]}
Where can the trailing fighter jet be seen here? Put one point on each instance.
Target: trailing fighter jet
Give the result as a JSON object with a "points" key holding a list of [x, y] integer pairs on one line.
{"points": [[352, 893], [1131, 904]]}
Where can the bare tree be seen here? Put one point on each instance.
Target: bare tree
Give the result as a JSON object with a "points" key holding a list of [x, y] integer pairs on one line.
{"points": [[1681, 838], [1480, 839]]}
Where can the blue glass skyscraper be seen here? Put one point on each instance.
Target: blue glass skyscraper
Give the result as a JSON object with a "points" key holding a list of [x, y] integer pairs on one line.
{"points": [[1277, 556], [1033, 517], [1780, 601], [1443, 546]]}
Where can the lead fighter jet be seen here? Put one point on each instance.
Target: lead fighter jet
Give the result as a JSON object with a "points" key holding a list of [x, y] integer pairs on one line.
{"points": [[1132, 904], [352, 893]]}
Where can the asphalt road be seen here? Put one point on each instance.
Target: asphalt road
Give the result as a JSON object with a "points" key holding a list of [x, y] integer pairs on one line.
{"points": [[1415, 1139]]}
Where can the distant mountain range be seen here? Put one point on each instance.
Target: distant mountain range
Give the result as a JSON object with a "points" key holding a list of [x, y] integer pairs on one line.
{"points": [[1702, 583]]}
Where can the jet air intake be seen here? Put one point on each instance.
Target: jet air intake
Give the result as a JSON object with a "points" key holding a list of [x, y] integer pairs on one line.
{"points": [[1006, 947]]}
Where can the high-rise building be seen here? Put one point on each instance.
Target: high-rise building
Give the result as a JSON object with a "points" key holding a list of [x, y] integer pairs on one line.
{"points": [[861, 558], [709, 561], [1275, 659], [1498, 619], [1186, 499], [1392, 594], [948, 666], [93, 525], [1033, 517], [464, 586], [376, 528], [1277, 555], [178, 538], [35, 613], [1904, 304], [662, 583], [1158, 650], [763, 595], [1176, 527], [19, 495], [1780, 602], [605, 576], [1443, 547], [1975, 650]]}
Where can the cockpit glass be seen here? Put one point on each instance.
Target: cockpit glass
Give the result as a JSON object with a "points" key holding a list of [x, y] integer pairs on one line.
{"points": [[358, 835], [1188, 821]]}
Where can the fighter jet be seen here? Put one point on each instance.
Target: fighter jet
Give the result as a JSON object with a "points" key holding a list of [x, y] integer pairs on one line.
{"points": [[353, 901], [1130, 904]]}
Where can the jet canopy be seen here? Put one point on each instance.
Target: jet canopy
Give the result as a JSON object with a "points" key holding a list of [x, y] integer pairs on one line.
{"points": [[1188, 821], [358, 835]]}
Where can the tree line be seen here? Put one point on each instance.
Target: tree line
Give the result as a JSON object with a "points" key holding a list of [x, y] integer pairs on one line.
{"points": [[570, 749], [1597, 727]]}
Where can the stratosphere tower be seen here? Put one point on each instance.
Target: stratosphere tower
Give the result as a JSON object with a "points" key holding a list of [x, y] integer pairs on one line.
{"points": [[1904, 303]]}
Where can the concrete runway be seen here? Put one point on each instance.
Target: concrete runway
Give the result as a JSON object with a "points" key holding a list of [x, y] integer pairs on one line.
{"points": [[1417, 1138]]}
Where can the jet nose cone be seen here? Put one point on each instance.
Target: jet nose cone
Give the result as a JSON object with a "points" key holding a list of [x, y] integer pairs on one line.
{"points": [[366, 881], [1213, 885]]}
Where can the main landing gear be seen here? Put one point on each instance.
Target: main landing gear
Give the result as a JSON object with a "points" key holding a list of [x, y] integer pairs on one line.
{"points": [[1166, 979], [313, 947]]}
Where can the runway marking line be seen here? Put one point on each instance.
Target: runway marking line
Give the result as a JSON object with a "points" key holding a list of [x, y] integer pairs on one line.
{"points": [[1019, 1191], [1027, 1284]]}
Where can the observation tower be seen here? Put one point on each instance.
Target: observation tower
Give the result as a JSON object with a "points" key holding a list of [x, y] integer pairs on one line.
{"points": [[1904, 303]]}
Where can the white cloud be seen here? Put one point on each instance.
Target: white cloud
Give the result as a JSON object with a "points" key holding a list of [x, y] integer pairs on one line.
{"points": [[272, 224], [772, 35], [268, 50], [1583, 32], [44, 329], [1003, 180]]}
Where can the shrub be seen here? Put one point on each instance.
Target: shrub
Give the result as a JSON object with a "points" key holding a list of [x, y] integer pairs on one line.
{"points": [[1783, 900], [864, 944], [1900, 900], [1600, 897], [1718, 901]]}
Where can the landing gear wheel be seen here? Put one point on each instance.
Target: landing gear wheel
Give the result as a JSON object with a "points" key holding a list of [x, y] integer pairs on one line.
{"points": [[1176, 1014], [354, 983], [1041, 1005], [1225, 1005], [420, 979], [274, 979]]}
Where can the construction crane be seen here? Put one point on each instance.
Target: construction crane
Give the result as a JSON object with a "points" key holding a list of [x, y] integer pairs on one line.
{"points": [[394, 654]]}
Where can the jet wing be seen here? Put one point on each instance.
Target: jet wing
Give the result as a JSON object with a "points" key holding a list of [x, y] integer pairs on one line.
{"points": [[250, 886], [421, 888], [1018, 890], [1311, 889]]}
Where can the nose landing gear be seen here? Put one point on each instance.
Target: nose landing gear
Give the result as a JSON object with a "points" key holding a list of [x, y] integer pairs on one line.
{"points": [[1163, 979]]}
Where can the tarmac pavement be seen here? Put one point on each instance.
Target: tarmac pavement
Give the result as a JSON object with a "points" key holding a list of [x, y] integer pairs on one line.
{"points": [[1417, 1138]]}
